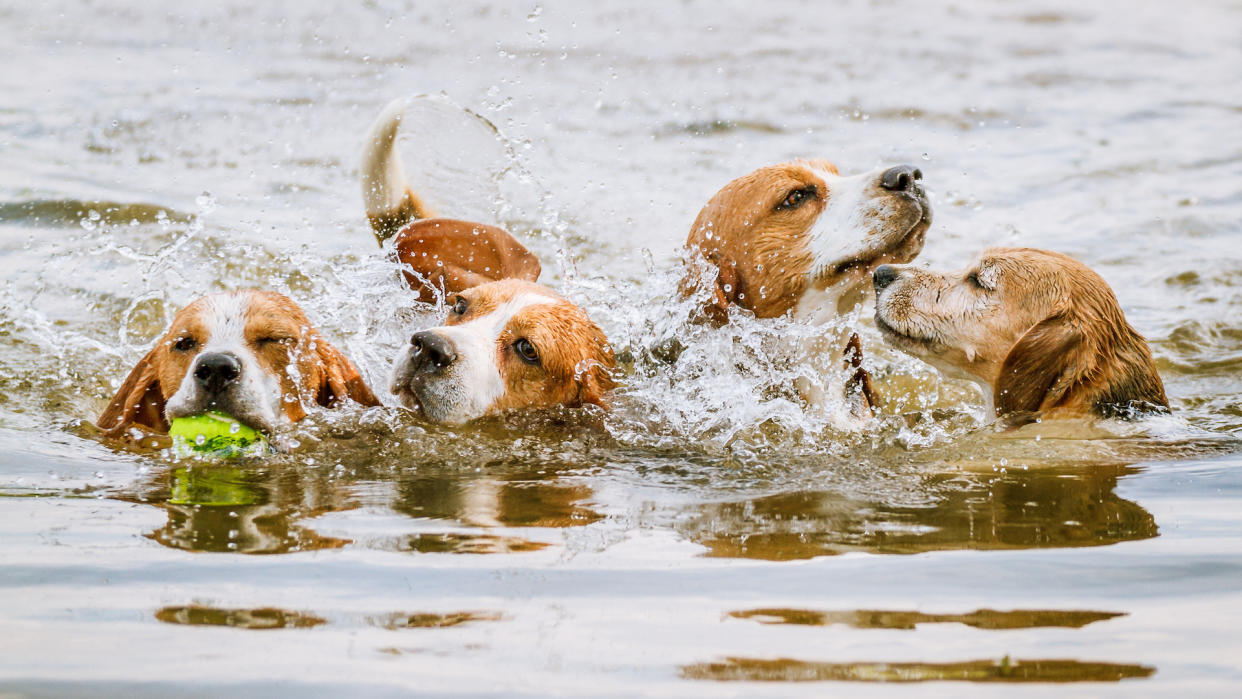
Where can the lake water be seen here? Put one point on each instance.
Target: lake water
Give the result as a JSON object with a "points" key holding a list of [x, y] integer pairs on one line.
{"points": [[710, 531]]}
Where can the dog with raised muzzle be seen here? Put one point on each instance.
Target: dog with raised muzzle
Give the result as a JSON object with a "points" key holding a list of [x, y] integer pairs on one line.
{"points": [[799, 238], [1041, 331]]}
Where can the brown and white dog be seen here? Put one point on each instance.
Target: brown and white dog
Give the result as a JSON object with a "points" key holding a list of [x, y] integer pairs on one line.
{"points": [[508, 343], [800, 238], [251, 354], [1043, 331]]}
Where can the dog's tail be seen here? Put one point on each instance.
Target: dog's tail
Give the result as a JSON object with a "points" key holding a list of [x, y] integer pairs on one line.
{"points": [[390, 203]]}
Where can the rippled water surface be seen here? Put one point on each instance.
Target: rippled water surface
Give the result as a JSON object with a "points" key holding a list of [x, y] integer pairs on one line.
{"points": [[710, 529]]}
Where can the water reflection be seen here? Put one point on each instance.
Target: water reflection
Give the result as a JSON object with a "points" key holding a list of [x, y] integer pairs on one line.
{"points": [[880, 619], [216, 508], [1050, 507], [524, 499], [262, 618], [252, 509], [1003, 670], [426, 620], [265, 618]]}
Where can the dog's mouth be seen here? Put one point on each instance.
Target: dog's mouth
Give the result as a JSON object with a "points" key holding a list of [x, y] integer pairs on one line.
{"points": [[891, 333], [903, 250], [406, 393]]}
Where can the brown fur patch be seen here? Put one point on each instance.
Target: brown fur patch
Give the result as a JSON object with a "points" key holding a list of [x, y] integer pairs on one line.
{"points": [[388, 223], [761, 253], [450, 256]]}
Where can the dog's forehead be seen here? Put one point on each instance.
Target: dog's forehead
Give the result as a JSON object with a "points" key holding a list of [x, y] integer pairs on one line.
{"points": [[510, 294], [776, 179], [1025, 262], [267, 310], [223, 316], [504, 309], [229, 316]]}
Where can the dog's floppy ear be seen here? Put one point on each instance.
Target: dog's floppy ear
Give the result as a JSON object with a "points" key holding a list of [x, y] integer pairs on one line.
{"points": [[594, 383], [1041, 368], [724, 287], [340, 379], [138, 401], [450, 256]]}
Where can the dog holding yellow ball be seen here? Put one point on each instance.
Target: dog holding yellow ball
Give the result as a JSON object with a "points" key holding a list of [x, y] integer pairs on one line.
{"points": [[232, 368]]}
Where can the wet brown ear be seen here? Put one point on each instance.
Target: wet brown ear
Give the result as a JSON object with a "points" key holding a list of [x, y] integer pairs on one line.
{"points": [[594, 385], [449, 256], [1041, 368], [340, 379], [724, 291], [139, 401]]}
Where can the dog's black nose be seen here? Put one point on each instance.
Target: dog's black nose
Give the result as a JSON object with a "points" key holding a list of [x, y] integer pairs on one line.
{"points": [[900, 178], [431, 351], [883, 276], [214, 372]]}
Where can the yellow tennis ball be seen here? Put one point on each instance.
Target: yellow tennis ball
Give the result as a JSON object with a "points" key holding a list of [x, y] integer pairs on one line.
{"points": [[215, 434]]}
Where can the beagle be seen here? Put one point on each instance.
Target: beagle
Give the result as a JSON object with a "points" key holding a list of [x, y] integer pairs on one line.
{"points": [[1042, 330], [508, 343], [439, 256], [251, 354], [800, 238]]}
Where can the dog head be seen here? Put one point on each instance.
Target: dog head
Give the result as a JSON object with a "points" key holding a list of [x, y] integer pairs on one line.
{"points": [[507, 344], [785, 230], [250, 354], [1042, 329]]}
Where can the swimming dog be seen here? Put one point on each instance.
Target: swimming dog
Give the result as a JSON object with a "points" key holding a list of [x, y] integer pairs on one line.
{"points": [[1042, 331], [251, 354], [799, 238], [509, 343]]}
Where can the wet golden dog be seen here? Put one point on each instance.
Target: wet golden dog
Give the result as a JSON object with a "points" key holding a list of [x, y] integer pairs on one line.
{"points": [[1042, 330]]}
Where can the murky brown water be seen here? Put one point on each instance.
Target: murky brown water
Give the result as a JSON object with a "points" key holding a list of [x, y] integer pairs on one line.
{"points": [[709, 530]]}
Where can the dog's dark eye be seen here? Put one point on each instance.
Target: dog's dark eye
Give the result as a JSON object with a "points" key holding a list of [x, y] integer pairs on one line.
{"points": [[795, 198], [275, 339], [459, 305], [185, 344], [526, 351]]}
